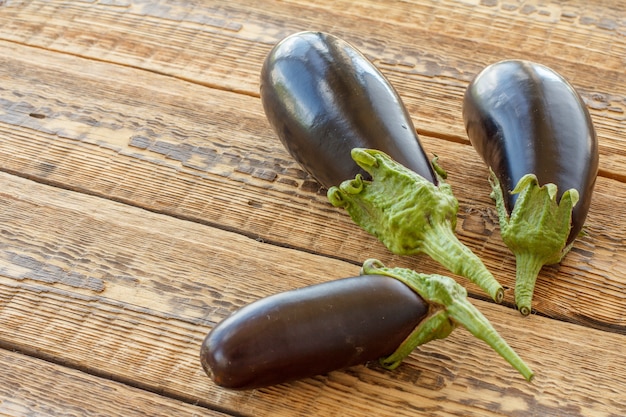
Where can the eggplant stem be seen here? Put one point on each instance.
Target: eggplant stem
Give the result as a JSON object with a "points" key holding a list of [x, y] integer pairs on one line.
{"points": [[527, 268], [449, 307], [440, 243], [410, 215], [536, 230], [477, 324]]}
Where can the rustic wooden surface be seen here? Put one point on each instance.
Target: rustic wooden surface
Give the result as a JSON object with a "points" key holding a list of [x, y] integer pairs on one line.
{"points": [[143, 197]]}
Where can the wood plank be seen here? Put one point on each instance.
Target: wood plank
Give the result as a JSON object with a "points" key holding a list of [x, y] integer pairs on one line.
{"points": [[162, 201], [35, 387], [147, 143], [220, 32], [428, 50], [118, 291]]}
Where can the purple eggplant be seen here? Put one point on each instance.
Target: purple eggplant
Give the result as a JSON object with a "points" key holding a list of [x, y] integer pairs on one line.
{"points": [[383, 314], [311, 331], [533, 130], [344, 123], [324, 98]]}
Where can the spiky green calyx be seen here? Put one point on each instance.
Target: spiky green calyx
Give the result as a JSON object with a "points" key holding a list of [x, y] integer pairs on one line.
{"points": [[448, 308], [410, 215], [536, 231]]}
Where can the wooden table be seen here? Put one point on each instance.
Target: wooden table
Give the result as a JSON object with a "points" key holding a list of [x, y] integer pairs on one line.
{"points": [[144, 197]]}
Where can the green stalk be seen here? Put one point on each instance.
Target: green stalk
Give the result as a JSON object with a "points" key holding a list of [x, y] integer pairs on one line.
{"points": [[536, 231], [526, 272], [441, 244], [448, 308], [410, 215]]}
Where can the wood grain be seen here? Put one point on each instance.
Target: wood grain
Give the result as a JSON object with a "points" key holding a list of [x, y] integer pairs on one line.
{"points": [[428, 50], [177, 164], [143, 197], [144, 322], [36, 387]]}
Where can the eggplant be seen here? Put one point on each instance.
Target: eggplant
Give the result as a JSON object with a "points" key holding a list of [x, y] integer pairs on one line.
{"points": [[382, 314], [311, 331], [533, 130], [345, 124], [324, 98]]}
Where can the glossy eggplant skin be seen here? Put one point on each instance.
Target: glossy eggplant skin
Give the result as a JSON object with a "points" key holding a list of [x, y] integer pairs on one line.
{"points": [[522, 118], [311, 331], [323, 98]]}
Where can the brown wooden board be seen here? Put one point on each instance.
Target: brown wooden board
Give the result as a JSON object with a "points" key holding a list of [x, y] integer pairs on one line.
{"points": [[176, 163], [126, 294], [144, 197]]}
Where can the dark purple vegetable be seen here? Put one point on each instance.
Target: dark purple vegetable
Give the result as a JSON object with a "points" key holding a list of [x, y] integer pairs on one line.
{"points": [[337, 324], [534, 132], [324, 98], [311, 331], [346, 126]]}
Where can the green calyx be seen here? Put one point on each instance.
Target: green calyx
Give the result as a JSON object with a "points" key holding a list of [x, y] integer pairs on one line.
{"points": [[536, 231], [448, 308], [410, 215]]}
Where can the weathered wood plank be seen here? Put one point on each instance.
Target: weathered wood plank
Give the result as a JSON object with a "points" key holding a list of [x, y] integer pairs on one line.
{"points": [[35, 387], [577, 32], [429, 50], [209, 156], [120, 292]]}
